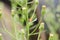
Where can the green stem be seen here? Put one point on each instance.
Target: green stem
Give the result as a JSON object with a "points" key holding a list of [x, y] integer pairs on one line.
{"points": [[34, 34], [38, 36], [4, 29]]}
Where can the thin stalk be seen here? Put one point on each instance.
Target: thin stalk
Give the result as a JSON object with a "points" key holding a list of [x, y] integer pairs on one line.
{"points": [[14, 28], [39, 35], [7, 30], [34, 34], [34, 12], [37, 26], [27, 26]]}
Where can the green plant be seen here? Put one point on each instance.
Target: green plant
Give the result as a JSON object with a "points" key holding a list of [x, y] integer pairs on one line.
{"points": [[27, 11], [0, 36]]}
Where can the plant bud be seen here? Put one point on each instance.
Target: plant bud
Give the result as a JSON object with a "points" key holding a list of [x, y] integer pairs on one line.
{"points": [[0, 36], [36, 1], [41, 26], [43, 10], [24, 8], [12, 12]]}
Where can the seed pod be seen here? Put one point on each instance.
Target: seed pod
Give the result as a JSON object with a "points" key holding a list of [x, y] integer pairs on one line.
{"points": [[53, 36], [43, 10], [12, 12], [41, 28], [36, 2], [0, 36]]}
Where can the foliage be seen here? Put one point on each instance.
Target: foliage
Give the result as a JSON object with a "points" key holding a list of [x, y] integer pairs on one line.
{"points": [[24, 15]]}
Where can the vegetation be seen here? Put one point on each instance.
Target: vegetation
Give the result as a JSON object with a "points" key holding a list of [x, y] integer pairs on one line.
{"points": [[22, 18]]}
